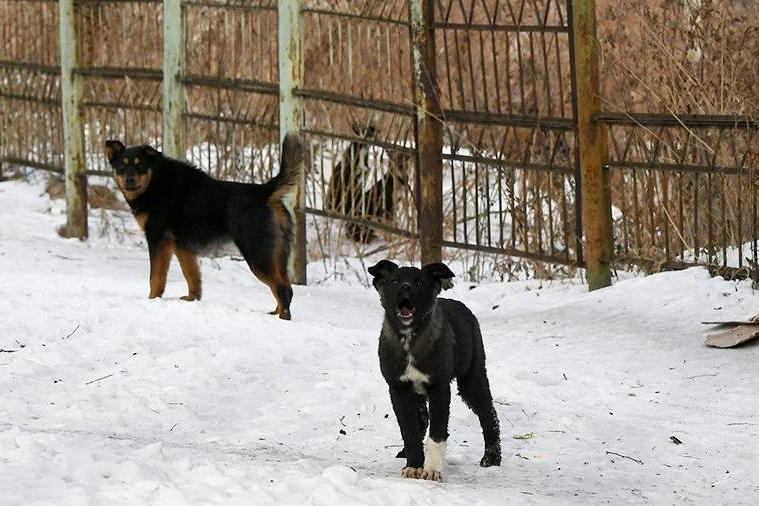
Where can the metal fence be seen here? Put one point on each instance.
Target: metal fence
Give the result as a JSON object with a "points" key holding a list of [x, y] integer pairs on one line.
{"points": [[451, 127]]}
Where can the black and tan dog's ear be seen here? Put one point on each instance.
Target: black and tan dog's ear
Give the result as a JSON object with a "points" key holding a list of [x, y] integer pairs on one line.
{"points": [[381, 271], [440, 272], [150, 151], [113, 149]]}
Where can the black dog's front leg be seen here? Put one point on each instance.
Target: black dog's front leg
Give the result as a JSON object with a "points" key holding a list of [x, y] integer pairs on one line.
{"points": [[424, 420], [406, 411], [434, 457]]}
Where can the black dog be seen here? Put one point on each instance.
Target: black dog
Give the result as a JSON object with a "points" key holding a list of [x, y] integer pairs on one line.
{"points": [[183, 210], [424, 344]]}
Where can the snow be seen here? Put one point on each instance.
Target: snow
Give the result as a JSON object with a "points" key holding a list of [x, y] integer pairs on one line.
{"points": [[111, 398]]}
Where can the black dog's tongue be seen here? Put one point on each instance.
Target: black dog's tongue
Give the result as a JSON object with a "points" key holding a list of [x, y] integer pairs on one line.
{"points": [[406, 312]]}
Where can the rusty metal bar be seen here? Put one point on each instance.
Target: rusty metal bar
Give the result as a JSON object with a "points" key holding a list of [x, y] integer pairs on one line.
{"points": [[343, 99], [121, 72], [247, 85], [679, 120], [501, 28], [429, 132], [514, 252], [225, 5], [360, 221], [595, 193], [348, 15], [32, 67], [490, 118]]}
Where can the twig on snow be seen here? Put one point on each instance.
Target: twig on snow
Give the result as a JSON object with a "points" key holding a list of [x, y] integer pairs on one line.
{"points": [[72, 332], [99, 379], [701, 375], [637, 461]]}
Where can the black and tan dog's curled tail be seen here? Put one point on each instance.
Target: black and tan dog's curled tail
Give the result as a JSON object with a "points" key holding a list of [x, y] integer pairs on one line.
{"points": [[290, 168]]}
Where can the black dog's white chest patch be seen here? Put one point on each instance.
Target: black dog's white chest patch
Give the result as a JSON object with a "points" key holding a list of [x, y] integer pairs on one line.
{"points": [[411, 374]]}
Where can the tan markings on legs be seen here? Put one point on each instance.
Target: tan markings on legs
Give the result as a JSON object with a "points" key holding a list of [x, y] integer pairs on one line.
{"points": [[411, 472], [191, 270], [269, 280], [159, 268], [142, 219]]}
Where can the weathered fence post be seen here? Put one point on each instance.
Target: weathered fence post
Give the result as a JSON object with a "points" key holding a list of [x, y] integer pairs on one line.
{"points": [[594, 179], [290, 25], [73, 135], [173, 70], [429, 131]]}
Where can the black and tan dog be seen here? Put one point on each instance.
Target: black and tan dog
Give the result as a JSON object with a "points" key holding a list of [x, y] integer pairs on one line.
{"points": [[183, 210], [425, 343]]}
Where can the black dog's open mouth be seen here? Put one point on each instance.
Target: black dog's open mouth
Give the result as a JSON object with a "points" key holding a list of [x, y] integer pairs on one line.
{"points": [[405, 311]]}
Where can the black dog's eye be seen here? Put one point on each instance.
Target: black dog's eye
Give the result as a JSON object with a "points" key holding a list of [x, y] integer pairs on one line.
{"points": [[418, 283], [394, 281]]}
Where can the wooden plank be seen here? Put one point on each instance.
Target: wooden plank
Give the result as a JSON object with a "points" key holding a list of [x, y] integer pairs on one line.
{"points": [[733, 337], [73, 133]]}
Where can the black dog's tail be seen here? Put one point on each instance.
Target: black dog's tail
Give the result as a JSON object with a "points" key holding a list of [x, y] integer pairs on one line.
{"points": [[290, 168]]}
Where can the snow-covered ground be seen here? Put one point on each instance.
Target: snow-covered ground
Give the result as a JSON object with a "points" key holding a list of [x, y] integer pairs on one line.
{"points": [[111, 398]]}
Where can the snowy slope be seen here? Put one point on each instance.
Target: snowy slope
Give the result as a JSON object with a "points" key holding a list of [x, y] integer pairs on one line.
{"points": [[110, 398]]}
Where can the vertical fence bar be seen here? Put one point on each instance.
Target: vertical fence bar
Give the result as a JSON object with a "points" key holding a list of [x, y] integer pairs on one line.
{"points": [[73, 134], [429, 131], [173, 69], [595, 192], [290, 28]]}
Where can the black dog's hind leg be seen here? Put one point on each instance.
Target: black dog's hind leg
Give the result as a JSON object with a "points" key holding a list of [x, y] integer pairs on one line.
{"points": [[475, 390], [424, 421], [406, 411]]}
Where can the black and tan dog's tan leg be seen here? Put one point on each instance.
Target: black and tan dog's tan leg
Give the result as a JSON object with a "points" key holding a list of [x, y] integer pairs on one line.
{"points": [[406, 411], [160, 258], [434, 452], [188, 261]]}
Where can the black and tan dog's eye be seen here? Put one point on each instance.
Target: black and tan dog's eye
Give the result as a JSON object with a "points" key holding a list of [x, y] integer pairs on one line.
{"points": [[125, 161]]}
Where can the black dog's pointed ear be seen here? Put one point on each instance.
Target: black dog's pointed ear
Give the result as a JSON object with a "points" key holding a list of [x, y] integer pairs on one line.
{"points": [[440, 272], [381, 271], [113, 149], [150, 151]]}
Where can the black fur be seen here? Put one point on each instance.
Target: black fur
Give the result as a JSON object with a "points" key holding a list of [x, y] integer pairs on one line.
{"points": [[191, 210], [441, 338]]}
